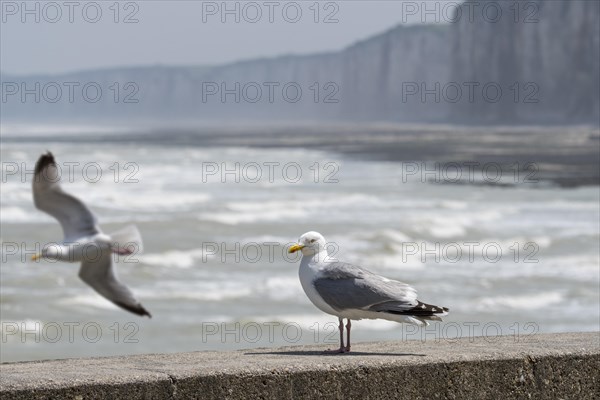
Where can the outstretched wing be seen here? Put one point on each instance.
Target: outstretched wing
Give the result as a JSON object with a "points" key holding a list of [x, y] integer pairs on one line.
{"points": [[100, 274], [74, 216]]}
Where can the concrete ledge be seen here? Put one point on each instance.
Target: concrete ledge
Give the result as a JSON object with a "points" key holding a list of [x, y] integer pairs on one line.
{"points": [[542, 367]]}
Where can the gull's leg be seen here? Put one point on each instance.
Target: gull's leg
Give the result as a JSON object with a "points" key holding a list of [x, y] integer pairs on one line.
{"points": [[341, 327], [342, 349], [122, 252], [348, 326]]}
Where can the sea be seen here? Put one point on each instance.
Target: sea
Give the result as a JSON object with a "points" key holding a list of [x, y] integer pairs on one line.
{"points": [[508, 255]]}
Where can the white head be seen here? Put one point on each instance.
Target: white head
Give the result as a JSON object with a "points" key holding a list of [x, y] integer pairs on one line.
{"points": [[49, 252], [310, 244]]}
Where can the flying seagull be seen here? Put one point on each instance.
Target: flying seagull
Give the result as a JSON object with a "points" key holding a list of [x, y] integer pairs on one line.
{"points": [[349, 291], [83, 239]]}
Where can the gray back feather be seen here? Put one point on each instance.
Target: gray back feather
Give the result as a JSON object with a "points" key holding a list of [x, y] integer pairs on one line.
{"points": [[346, 286]]}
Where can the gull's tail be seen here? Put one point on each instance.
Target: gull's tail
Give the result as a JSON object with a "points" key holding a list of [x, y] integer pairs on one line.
{"points": [[127, 240]]}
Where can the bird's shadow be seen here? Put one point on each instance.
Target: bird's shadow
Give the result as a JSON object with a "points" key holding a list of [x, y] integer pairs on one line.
{"points": [[313, 353]]}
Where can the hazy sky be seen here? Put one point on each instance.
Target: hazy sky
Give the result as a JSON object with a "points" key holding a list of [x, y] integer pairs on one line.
{"points": [[179, 32]]}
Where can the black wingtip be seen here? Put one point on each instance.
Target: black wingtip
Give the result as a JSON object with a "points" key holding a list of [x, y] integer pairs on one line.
{"points": [[145, 312], [422, 310], [138, 309], [44, 161]]}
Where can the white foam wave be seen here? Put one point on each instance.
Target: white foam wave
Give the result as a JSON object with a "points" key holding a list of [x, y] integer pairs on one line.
{"points": [[20, 130], [88, 300], [13, 215], [265, 215], [175, 258], [151, 201], [201, 291], [324, 322], [280, 210], [283, 288], [28, 326], [265, 239], [523, 302]]}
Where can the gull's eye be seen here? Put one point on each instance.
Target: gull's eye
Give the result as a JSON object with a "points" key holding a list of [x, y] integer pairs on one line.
{"points": [[312, 240]]}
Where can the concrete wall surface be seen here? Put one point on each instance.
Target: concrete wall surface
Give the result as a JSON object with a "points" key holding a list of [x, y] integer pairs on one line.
{"points": [[540, 366]]}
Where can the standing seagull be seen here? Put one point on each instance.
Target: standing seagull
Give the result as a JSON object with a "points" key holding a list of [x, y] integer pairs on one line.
{"points": [[84, 241], [351, 292]]}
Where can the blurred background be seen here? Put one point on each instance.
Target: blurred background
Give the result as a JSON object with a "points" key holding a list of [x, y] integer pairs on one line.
{"points": [[454, 146]]}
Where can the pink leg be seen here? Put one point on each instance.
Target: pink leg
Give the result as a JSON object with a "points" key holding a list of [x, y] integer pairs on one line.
{"points": [[342, 349], [122, 252], [341, 328], [348, 326]]}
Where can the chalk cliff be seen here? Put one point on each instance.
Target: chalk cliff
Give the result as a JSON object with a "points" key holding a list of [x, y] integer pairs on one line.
{"points": [[540, 64]]}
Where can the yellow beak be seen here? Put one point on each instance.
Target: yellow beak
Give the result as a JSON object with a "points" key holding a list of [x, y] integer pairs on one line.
{"points": [[36, 257], [295, 248]]}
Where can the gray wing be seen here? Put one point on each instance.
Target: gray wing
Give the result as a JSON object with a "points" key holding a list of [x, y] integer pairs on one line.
{"points": [[345, 286], [100, 274], [74, 216]]}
